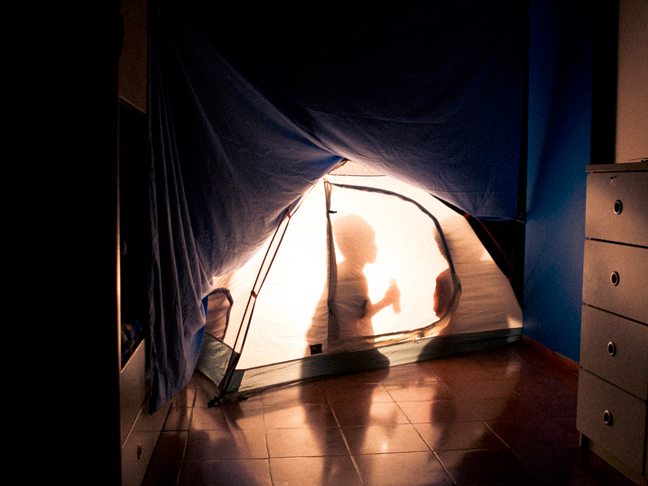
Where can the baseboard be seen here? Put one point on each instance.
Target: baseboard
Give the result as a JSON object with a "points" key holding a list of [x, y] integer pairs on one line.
{"points": [[552, 356]]}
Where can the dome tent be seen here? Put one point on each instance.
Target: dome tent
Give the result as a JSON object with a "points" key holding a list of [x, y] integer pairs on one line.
{"points": [[364, 272]]}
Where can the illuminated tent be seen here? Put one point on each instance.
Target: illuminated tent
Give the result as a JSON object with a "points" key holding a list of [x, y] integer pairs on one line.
{"points": [[252, 103], [319, 297]]}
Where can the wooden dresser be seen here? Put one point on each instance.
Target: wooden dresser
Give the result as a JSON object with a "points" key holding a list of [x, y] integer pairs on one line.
{"points": [[613, 378]]}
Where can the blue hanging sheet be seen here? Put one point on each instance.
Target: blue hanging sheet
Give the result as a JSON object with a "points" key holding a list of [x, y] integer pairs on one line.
{"points": [[251, 103]]}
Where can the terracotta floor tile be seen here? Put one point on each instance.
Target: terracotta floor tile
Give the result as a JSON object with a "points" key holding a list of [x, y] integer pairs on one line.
{"points": [[178, 418], [208, 419], [497, 355], [185, 399], [244, 416], [567, 423], [564, 461], [558, 405], [402, 469], [522, 482], [616, 480], [568, 375], [365, 413], [247, 472], [170, 446], [246, 403], [376, 439], [313, 415], [438, 411], [418, 392], [523, 433], [471, 467], [445, 436], [483, 388], [409, 373], [539, 386], [373, 377], [359, 392], [307, 393], [513, 371], [506, 408], [453, 372], [232, 444], [502, 417], [314, 471], [163, 473], [204, 389], [306, 442], [203, 397]]}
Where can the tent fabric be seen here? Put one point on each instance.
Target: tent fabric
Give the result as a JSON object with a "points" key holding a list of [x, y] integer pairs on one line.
{"points": [[250, 104], [244, 383], [384, 234]]}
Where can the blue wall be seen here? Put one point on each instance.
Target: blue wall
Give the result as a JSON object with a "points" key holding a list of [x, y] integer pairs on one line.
{"points": [[559, 149]]}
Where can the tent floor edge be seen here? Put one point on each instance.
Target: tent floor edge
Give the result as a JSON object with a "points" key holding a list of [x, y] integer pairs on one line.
{"points": [[244, 383]]}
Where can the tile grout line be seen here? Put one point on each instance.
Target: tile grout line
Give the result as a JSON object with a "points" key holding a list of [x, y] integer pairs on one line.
{"points": [[346, 442], [419, 433], [455, 397], [518, 394], [186, 444]]}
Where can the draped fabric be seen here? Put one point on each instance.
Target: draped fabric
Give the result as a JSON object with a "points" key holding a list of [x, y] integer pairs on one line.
{"points": [[250, 104]]}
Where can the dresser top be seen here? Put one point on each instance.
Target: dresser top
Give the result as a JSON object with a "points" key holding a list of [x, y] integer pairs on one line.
{"points": [[623, 167]]}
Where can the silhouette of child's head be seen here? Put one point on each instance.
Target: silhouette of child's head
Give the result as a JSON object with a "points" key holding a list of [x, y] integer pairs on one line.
{"points": [[355, 238]]}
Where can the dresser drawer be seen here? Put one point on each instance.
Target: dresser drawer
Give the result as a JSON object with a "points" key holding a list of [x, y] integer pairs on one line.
{"points": [[133, 389], [615, 349], [615, 278], [617, 207], [613, 418]]}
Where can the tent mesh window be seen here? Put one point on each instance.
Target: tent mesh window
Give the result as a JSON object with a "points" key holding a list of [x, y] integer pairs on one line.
{"points": [[219, 305]]}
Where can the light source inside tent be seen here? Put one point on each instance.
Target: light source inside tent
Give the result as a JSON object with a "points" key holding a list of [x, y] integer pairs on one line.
{"points": [[361, 263]]}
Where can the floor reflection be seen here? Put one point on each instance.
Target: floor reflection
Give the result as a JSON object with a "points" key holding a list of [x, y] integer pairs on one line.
{"points": [[502, 416]]}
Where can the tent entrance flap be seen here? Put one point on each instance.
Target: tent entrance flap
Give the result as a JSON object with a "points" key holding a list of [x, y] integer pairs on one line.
{"points": [[377, 236]]}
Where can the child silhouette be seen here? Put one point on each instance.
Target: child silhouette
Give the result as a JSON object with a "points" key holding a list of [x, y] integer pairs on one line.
{"points": [[355, 240]]}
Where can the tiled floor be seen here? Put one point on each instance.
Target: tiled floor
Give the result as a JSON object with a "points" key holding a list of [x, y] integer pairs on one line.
{"points": [[505, 417]]}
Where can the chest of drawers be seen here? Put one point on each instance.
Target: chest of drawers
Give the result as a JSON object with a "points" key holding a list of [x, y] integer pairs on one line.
{"points": [[613, 380]]}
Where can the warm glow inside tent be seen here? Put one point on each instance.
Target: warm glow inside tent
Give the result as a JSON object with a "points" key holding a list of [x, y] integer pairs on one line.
{"points": [[364, 272]]}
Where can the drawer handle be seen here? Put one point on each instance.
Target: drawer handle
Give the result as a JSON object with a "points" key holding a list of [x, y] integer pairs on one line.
{"points": [[607, 417], [611, 348], [618, 207], [614, 278]]}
